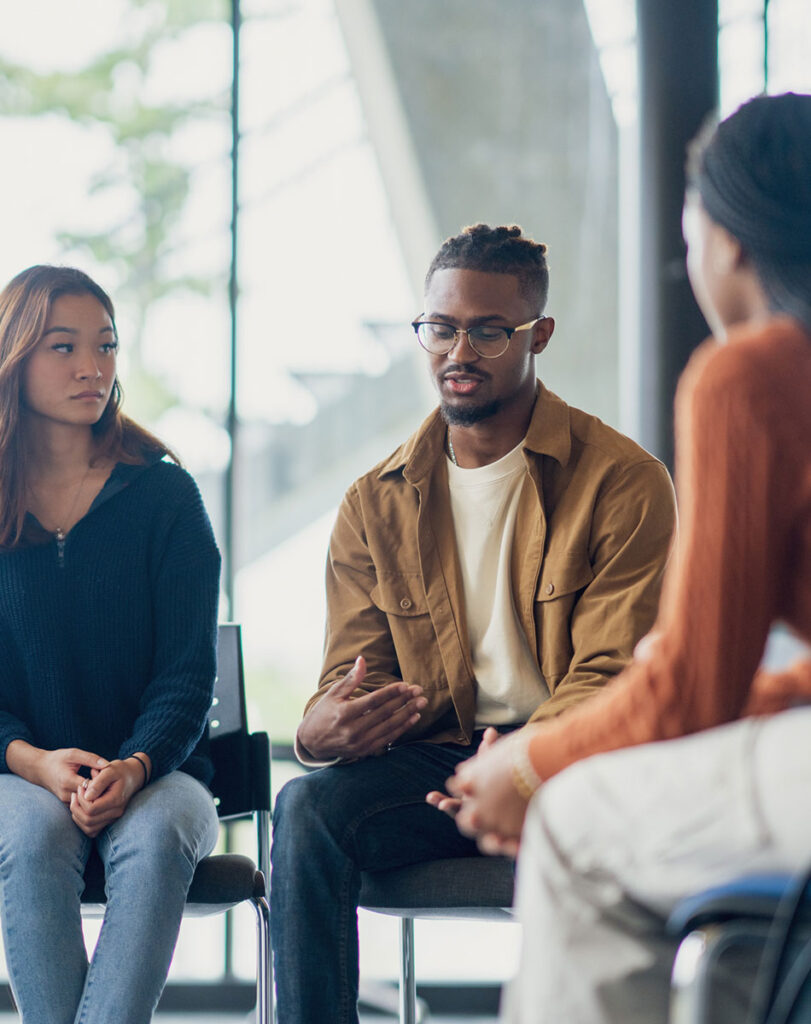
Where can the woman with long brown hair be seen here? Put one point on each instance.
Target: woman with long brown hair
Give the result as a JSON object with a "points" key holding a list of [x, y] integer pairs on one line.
{"points": [[108, 597]]}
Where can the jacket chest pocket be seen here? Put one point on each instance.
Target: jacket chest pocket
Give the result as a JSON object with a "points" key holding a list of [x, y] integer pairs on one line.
{"points": [[401, 597], [559, 589], [400, 593]]}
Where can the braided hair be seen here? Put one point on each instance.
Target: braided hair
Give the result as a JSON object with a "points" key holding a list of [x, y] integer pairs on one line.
{"points": [[500, 250], [753, 174]]}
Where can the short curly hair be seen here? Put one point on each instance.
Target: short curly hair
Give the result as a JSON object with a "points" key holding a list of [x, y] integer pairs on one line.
{"points": [[500, 250]]}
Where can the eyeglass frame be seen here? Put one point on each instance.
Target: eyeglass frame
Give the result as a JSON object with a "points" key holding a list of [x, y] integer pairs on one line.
{"points": [[509, 331]]}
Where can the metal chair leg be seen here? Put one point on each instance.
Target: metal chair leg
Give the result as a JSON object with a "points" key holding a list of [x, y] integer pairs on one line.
{"points": [[408, 976], [264, 968], [263, 845]]}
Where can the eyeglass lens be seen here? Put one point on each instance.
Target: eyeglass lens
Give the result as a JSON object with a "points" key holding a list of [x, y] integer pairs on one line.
{"points": [[441, 338]]}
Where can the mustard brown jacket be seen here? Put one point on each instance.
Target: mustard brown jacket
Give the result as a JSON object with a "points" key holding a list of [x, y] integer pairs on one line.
{"points": [[592, 538]]}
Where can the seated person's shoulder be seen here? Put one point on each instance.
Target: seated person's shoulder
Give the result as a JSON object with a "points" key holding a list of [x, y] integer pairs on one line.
{"points": [[755, 369], [388, 473], [157, 472], [597, 442]]}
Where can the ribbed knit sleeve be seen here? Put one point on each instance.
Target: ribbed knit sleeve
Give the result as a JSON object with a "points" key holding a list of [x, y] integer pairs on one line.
{"points": [[12, 727], [744, 444], [174, 706]]}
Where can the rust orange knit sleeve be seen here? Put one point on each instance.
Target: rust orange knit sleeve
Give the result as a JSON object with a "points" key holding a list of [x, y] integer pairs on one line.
{"points": [[720, 593]]}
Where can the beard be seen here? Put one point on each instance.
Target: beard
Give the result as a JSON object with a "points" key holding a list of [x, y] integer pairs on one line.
{"points": [[466, 416]]}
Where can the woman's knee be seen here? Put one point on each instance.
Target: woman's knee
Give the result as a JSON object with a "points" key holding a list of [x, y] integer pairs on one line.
{"points": [[572, 810], [173, 815], [35, 822]]}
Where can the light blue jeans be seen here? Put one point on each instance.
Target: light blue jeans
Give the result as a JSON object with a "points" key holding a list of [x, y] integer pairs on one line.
{"points": [[149, 857]]}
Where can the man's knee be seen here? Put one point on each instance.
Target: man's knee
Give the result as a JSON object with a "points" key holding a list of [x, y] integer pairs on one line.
{"points": [[301, 805], [329, 803]]}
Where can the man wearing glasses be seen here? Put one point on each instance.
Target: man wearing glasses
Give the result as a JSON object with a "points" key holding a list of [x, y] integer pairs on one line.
{"points": [[498, 568]]}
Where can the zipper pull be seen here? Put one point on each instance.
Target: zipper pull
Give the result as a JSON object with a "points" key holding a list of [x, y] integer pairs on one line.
{"points": [[60, 547]]}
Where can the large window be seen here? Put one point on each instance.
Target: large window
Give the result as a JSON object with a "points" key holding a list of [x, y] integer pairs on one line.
{"points": [[325, 378], [370, 130], [116, 134]]}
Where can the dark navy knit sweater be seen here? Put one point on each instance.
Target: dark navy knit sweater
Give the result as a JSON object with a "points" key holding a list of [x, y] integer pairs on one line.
{"points": [[108, 641]]}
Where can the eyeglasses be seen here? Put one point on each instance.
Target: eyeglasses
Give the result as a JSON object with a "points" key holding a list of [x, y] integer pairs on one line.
{"points": [[488, 341]]}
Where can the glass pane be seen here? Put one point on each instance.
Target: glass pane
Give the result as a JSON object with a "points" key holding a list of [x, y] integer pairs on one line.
{"points": [[740, 61], [323, 335], [117, 163], [371, 134], [121, 166], [789, 46]]}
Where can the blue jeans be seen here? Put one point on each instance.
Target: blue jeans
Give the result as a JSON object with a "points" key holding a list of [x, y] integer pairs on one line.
{"points": [[328, 827], [149, 856]]}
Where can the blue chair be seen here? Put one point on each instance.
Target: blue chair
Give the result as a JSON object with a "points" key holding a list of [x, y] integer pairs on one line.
{"points": [[768, 913]]}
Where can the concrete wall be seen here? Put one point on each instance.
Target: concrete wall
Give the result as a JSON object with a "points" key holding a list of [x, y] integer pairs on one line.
{"points": [[479, 110], [508, 120]]}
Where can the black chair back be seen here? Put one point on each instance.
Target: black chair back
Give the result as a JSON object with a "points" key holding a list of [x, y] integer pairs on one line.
{"points": [[227, 713], [241, 783]]}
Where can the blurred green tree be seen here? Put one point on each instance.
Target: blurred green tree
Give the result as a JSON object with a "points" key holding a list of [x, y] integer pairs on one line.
{"points": [[109, 92]]}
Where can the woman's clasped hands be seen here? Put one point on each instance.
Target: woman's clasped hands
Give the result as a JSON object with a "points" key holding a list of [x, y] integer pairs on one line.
{"points": [[484, 799], [97, 801], [105, 796]]}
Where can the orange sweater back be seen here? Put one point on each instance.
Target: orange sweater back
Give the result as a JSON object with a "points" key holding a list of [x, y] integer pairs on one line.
{"points": [[743, 476]]}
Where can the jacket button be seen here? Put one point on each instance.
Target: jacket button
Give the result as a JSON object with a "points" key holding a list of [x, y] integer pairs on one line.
{"points": [[405, 604], [550, 588]]}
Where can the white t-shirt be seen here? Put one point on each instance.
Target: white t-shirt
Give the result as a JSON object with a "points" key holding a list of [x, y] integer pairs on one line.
{"points": [[484, 503]]}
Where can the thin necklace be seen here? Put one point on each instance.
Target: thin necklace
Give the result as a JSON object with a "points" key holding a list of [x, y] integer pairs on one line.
{"points": [[59, 532], [450, 448]]}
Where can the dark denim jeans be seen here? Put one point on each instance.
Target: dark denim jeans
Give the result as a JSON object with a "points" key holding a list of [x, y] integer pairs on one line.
{"points": [[328, 827]]}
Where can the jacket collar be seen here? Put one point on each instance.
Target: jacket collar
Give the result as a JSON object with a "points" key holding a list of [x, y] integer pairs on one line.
{"points": [[549, 433]]}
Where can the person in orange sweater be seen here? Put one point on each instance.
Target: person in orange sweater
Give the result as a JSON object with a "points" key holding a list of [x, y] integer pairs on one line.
{"points": [[714, 768]]}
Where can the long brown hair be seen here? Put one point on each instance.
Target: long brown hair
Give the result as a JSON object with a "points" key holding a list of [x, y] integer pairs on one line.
{"points": [[25, 304]]}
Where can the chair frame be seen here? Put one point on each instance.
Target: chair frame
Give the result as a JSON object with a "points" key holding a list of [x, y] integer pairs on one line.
{"points": [[410, 893], [742, 912], [241, 788]]}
